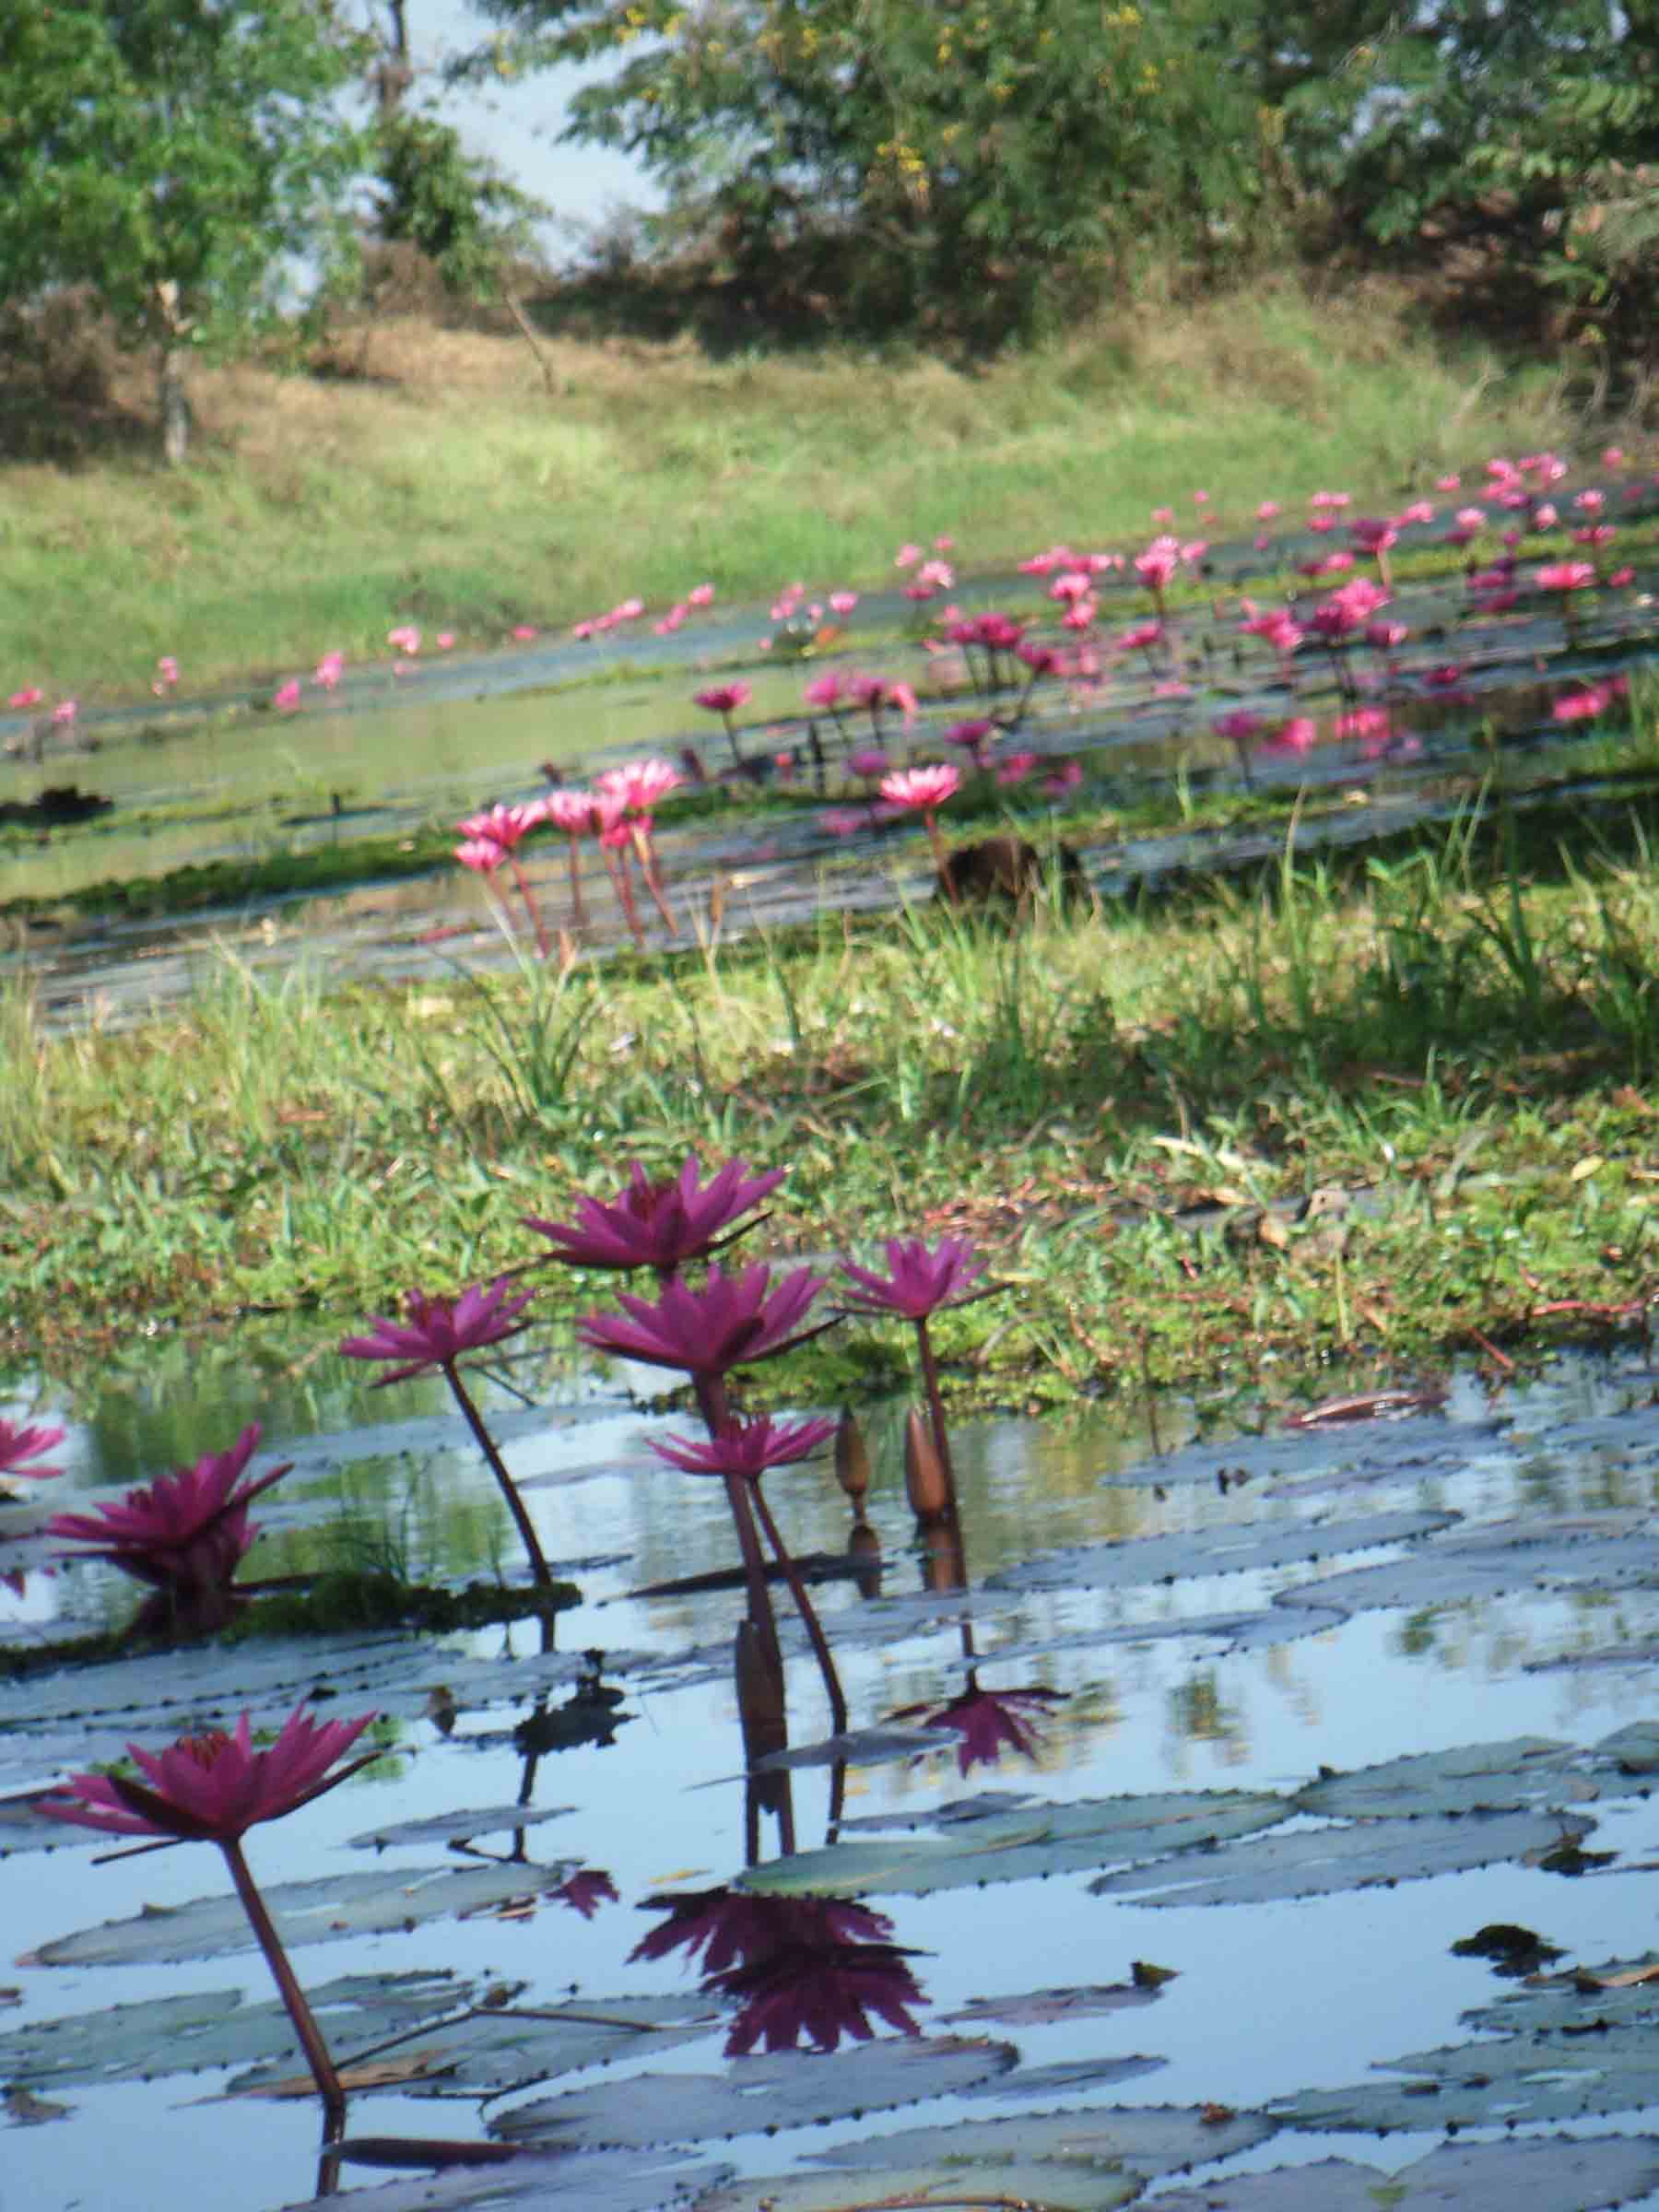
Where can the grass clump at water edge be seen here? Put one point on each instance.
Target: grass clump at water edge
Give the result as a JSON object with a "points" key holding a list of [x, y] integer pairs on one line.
{"points": [[1360, 1110]]}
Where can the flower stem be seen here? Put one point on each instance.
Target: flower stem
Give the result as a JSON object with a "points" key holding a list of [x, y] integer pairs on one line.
{"points": [[809, 1619], [935, 1405], [578, 912], [516, 1504], [293, 1996], [654, 881], [711, 1404], [528, 896]]}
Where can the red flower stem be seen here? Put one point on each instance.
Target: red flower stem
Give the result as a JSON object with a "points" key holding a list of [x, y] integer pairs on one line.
{"points": [[931, 823], [711, 1404], [516, 1504], [618, 865], [528, 896], [935, 1405], [803, 1607], [654, 882], [578, 912], [293, 1996]]}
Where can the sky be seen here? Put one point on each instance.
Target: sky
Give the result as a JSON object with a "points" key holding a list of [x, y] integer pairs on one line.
{"points": [[516, 126]]}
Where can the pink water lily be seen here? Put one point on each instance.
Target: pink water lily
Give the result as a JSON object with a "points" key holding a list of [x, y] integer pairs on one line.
{"points": [[19, 1444], [748, 1448], [730, 1321], [185, 1534], [212, 1788], [434, 1332], [30, 695], [918, 1278], [660, 1225], [922, 789]]}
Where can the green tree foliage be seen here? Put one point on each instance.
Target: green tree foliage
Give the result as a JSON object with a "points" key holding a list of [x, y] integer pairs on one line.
{"points": [[168, 155], [1536, 128], [974, 159], [456, 209]]}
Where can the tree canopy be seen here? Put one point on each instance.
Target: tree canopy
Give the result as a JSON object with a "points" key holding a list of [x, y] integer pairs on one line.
{"points": [[169, 155]]}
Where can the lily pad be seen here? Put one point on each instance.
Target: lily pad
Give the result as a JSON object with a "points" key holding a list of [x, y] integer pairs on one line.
{"points": [[1234, 1548], [782, 2088], [1595, 1551], [1045, 2005], [1480, 1778], [459, 1828], [1361, 1450], [598, 2181], [319, 1911], [1320, 1862], [1042, 1839], [487, 2053], [1573, 2175], [219, 2027], [1141, 2142]]}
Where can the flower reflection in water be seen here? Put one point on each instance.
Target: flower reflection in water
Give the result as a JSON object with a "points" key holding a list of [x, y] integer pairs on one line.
{"points": [[985, 1721], [801, 1968]]}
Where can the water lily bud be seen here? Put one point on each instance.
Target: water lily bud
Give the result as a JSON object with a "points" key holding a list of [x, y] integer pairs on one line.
{"points": [[925, 1481], [852, 1459]]}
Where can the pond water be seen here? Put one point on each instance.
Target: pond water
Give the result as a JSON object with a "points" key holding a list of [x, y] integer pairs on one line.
{"points": [[1223, 1612]]}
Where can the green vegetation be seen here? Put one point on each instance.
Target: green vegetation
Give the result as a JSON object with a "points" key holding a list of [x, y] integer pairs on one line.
{"points": [[1366, 1107]]}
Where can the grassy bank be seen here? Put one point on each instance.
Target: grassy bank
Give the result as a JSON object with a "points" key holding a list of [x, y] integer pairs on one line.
{"points": [[1375, 1111], [438, 481]]}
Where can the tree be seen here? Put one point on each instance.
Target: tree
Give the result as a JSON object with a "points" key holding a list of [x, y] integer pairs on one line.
{"points": [[1536, 127], [171, 155], [973, 158]]}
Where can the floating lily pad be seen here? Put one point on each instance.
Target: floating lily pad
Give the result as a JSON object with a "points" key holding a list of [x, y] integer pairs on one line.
{"points": [[782, 2088], [1137, 2142], [858, 1747], [1320, 1862], [1365, 1449], [1068, 2075], [459, 1828], [1600, 1551], [1042, 1839], [1570, 2176], [1232, 1549], [487, 2053], [319, 1911], [1634, 1749], [597, 2181], [1046, 2006], [1480, 1778], [219, 2027]]}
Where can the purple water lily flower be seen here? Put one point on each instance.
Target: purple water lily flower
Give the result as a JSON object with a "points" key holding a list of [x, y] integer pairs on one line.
{"points": [[434, 1332], [747, 1448], [919, 1279], [726, 1323], [660, 1225]]}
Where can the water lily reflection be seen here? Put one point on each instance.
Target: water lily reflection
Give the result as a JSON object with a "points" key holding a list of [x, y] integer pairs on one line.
{"points": [[987, 1722], [801, 1968]]}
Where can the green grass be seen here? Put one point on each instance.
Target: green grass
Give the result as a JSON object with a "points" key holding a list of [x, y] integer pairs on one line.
{"points": [[1446, 1045], [445, 487]]}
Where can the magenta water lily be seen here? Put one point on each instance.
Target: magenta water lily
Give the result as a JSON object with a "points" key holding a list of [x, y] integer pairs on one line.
{"points": [[434, 1333], [185, 1534], [660, 1225], [212, 1789], [730, 1321], [19, 1445]]}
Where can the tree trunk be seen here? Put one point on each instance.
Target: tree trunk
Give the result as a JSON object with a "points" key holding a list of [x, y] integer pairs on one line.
{"points": [[172, 405]]}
